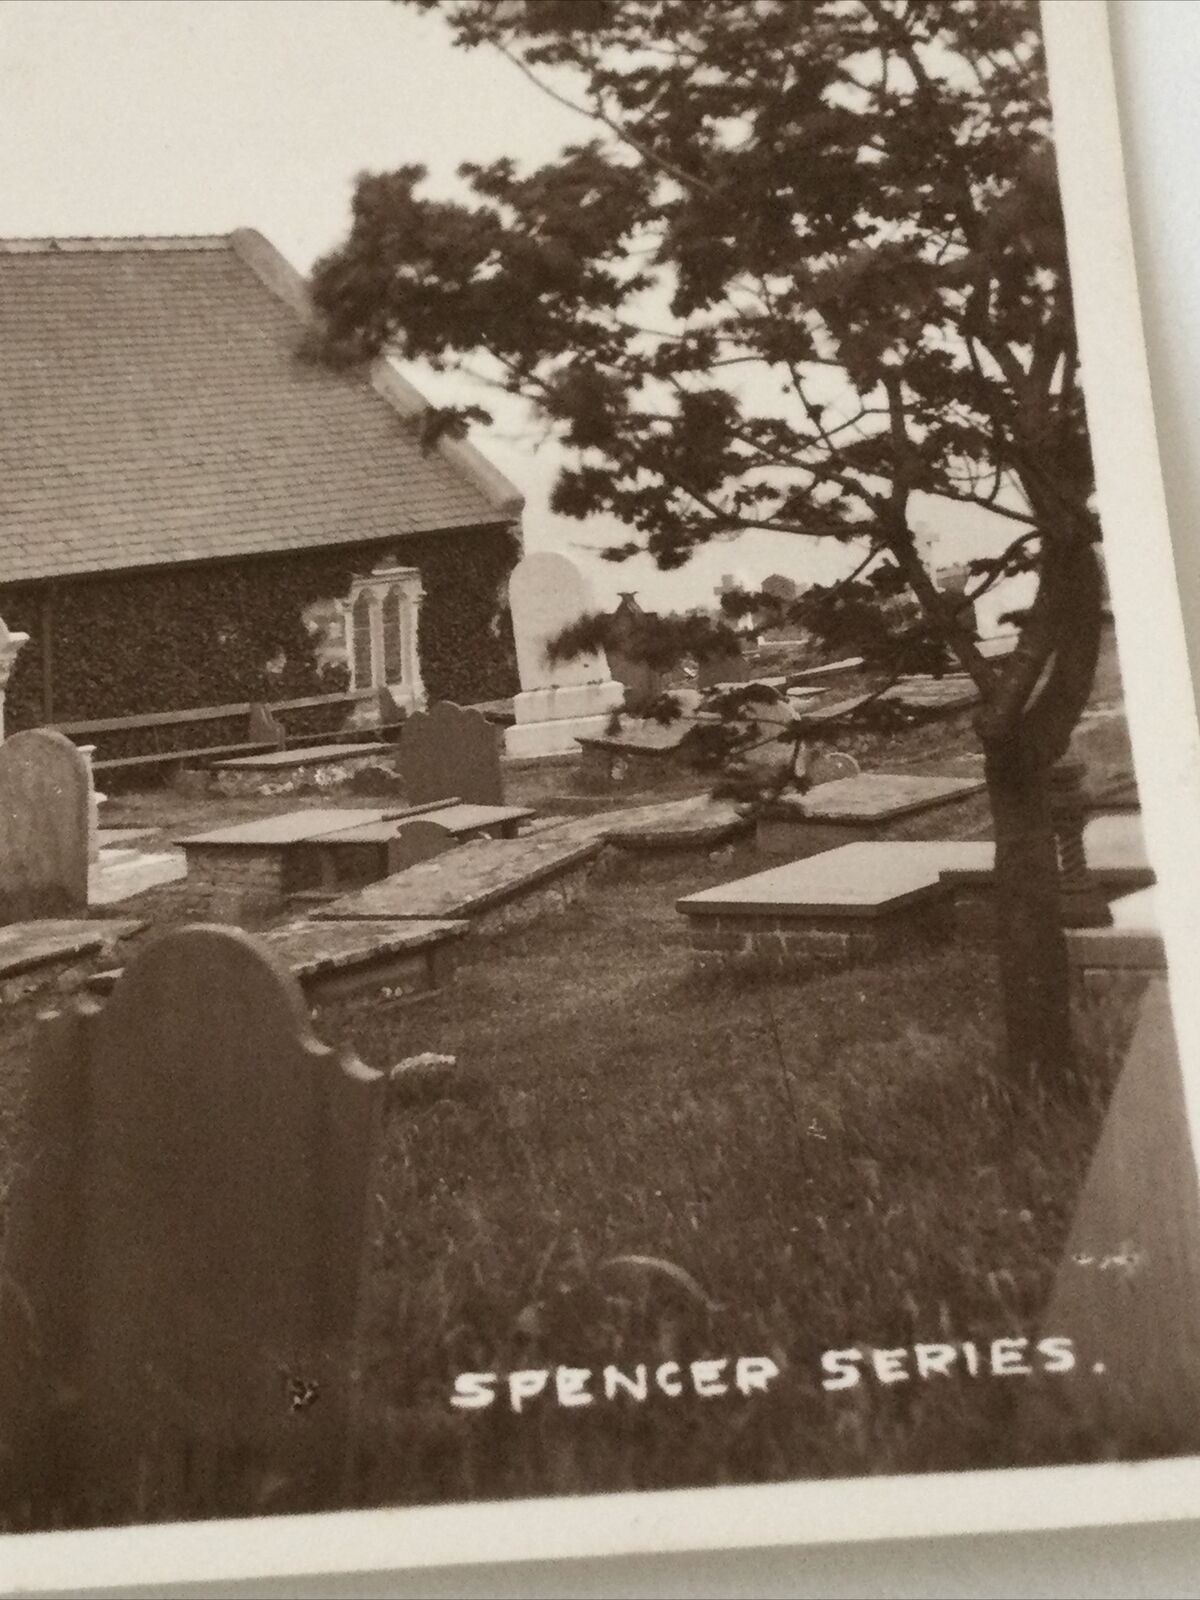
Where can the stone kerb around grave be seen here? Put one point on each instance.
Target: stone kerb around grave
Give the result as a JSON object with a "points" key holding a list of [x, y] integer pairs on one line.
{"points": [[45, 826], [563, 700]]}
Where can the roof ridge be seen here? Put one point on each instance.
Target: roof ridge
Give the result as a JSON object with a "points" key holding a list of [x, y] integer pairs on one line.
{"points": [[114, 243]]}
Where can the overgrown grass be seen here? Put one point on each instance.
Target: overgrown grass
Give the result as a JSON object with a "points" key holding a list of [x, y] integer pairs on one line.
{"points": [[832, 1161]]}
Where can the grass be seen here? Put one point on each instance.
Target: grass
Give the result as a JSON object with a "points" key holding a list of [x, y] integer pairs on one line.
{"points": [[804, 1165], [831, 1162]]}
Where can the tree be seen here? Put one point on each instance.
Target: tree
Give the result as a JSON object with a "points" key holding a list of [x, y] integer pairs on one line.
{"points": [[810, 265]]}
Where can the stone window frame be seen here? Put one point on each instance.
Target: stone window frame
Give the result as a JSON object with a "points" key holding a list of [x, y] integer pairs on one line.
{"points": [[403, 587]]}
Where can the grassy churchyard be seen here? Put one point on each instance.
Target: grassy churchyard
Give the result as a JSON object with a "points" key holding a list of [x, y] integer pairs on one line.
{"points": [[609, 1160]]}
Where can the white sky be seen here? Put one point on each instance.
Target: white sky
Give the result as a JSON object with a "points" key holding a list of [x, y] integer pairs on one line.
{"points": [[199, 116]]}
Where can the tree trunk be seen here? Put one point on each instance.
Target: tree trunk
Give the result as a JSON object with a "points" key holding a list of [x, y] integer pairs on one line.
{"points": [[1030, 943]]}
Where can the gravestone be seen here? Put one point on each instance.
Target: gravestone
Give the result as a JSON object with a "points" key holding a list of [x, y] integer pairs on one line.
{"points": [[718, 669], [827, 766], [451, 751], [561, 700], [415, 841], [45, 826], [186, 1250], [643, 683]]}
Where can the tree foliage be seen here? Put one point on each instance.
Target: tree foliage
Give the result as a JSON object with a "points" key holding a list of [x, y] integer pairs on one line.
{"points": [[808, 267], [812, 265]]}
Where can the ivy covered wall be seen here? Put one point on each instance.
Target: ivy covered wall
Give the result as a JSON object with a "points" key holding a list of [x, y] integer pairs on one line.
{"points": [[176, 638]]}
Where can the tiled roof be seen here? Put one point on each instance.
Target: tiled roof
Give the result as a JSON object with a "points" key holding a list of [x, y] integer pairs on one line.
{"points": [[153, 410]]}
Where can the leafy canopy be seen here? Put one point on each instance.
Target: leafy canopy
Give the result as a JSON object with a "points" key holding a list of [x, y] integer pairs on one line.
{"points": [[810, 264]]}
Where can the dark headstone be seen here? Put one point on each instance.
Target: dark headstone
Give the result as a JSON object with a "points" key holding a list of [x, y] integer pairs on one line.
{"points": [[415, 841], [45, 814], [451, 750], [185, 1255]]}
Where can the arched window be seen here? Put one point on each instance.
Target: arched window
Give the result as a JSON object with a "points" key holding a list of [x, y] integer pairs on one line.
{"points": [[381, 618]]}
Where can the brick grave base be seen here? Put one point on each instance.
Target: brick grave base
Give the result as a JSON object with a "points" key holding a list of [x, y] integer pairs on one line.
{"points": [[751, 940]]}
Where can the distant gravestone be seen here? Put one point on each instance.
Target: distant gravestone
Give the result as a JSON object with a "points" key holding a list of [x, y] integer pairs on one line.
{"points": [[547, 593], [418, 840], [727, 668], [559, 700], [827, 766], [451, 751], [185, 1254], [45, 826]]}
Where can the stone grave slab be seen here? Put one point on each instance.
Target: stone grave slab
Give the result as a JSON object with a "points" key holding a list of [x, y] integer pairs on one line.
{"points": [[639, 752], [862, 901], [248, 869], [696, 822], [281, 760], [288, 827], [496, 883], [859, 880], [34, 953], [854, 809], [827, 669], [1114, 846], [352, 857], [394, 960]]}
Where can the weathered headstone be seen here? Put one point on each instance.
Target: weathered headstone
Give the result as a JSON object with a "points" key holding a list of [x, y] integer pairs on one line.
{"points": [[45, 825], [11, 645], [643, 683], [725, 668], [559, 700], [827, 766], [417, 841], [185, 1254], [450, 751]]}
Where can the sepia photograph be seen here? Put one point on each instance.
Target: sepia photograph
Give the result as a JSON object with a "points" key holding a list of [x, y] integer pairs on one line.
{"points": [[576, 921]]}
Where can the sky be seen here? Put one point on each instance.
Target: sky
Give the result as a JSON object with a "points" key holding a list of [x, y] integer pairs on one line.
{"points": [[123, 117]]}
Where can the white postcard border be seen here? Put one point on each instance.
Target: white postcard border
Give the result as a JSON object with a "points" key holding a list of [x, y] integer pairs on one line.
{"points": [[1166, 742]]}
